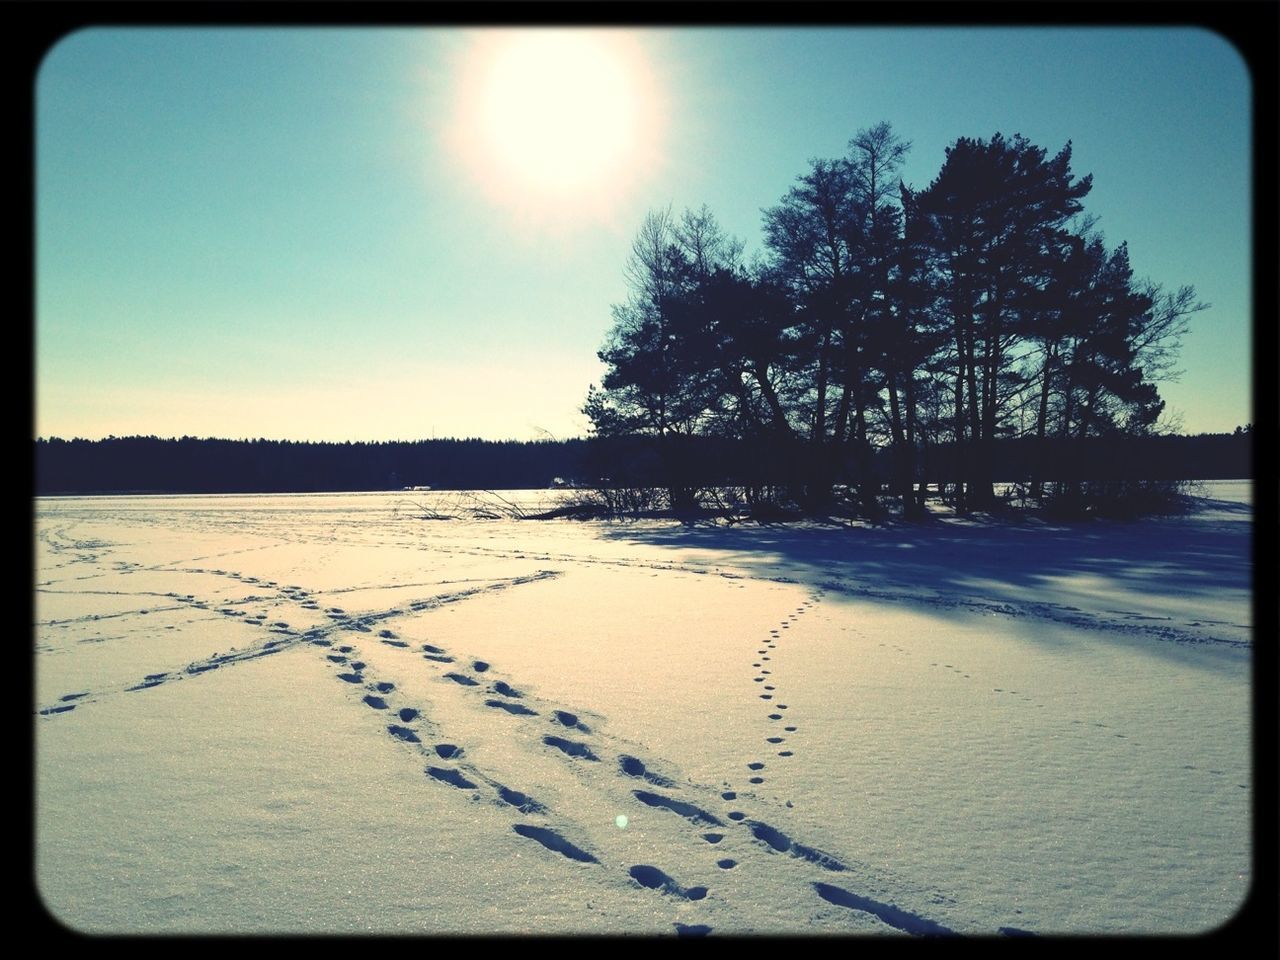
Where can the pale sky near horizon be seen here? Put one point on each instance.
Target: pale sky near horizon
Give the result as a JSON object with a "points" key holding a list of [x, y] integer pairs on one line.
{"points": [[363, 234]]}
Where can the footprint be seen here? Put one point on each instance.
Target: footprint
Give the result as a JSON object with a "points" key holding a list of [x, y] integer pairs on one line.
{"points": [[460, 678], [691, 929], [570, 748], [351, 677], [395, 643], [713, 838], [895, 917], [570, 720], [506, 690], [408, 713], [726, 864], [553, 841], [452, 777], [384, 686], [729, 795], [655, 879], [516, 708], [438, 658], [521, 801], [777, 840], [376, 702], [687, 810], [634, 767], [757, 765], [479, 666], [448, 751], [403, 733], [428, 648]]}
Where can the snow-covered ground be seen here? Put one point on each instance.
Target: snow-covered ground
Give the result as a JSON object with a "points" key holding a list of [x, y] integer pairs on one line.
{"points": [[325, 714]]}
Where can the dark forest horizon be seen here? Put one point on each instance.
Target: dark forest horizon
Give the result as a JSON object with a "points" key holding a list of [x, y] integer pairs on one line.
{"points": [[215, 465]]}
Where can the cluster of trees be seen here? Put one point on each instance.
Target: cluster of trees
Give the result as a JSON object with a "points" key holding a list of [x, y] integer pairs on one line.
{"points": [[882, 319]]}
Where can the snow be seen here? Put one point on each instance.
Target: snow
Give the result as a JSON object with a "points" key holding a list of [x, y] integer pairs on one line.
{"points": [[979, 726]]}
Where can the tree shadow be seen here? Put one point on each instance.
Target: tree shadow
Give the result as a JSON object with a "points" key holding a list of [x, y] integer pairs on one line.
{"points": [[1120, 572]]}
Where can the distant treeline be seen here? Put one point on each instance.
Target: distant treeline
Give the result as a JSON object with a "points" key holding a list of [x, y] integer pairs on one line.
{"points": [[192, 465]]}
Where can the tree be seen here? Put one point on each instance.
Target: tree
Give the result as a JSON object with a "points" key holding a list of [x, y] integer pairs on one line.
{"points": [[999, 211], [1120, 340], [661, 381]]}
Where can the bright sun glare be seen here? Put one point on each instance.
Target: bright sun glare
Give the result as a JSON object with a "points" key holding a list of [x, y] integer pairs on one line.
{"points": [[563, 117]]}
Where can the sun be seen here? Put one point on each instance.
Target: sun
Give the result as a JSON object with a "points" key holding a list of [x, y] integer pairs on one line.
{"points": [[557, 116]]}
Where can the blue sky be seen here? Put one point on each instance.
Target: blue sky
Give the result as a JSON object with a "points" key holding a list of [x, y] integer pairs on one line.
{"points": [[305, 234]]}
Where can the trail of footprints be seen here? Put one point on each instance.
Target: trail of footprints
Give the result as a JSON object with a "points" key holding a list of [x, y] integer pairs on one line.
{"points": [[558, 729], [769, 690]]}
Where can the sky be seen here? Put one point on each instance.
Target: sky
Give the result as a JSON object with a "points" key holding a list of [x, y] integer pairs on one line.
{"points": [[395, 234]]}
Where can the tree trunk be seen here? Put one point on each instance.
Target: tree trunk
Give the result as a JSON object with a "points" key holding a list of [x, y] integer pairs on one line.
{"points": [[1042, 417]]}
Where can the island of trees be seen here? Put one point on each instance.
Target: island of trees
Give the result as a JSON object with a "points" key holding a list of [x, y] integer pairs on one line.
{"points": [[976, 330]]}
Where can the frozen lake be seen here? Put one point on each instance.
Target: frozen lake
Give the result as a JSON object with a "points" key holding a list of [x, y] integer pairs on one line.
{"points": [[326, 714]]}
